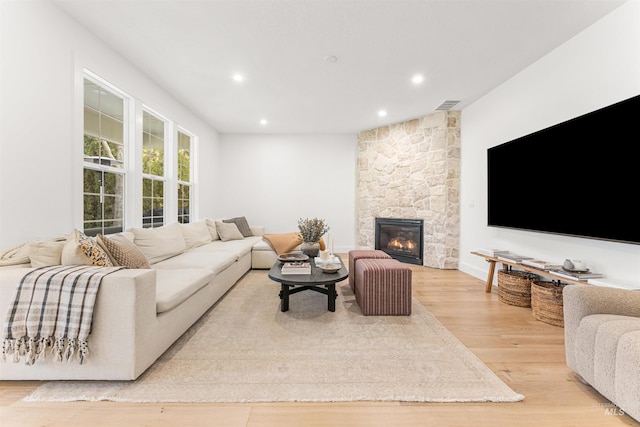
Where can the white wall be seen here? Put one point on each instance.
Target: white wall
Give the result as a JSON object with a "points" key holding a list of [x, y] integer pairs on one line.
{"points": [[43, 52], [596, 68], [274, 180]]}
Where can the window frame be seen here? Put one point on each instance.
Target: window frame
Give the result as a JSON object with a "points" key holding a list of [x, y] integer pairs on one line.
{"points": [[104, 164], [185, 217], [145, 175]]}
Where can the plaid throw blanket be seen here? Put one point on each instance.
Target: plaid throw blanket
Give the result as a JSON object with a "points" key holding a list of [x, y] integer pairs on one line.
{"points": [[52, 308]]}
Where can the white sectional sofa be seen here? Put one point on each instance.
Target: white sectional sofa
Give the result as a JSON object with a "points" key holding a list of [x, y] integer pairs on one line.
{"points": [[139, 313]]}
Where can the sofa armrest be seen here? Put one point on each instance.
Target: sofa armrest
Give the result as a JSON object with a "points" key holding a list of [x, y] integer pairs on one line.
{"points": [[257, 230], [123, 328], [580, 301]]}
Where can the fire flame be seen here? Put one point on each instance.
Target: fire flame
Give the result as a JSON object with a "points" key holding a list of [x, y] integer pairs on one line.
{"points": [[395, 244], [402, 245]]}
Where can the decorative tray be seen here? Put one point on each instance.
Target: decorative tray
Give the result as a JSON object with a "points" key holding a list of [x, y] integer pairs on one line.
{"points": [[292, 257]]}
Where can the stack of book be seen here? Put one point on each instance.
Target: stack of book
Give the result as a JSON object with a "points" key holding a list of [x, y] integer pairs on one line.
{"points": [[511, 257], [296, 268], [492, 252], [542, 265], [576, 275]]}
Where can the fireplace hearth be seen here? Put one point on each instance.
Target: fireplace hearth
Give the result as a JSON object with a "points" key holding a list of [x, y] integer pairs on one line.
{"points": [[402, 239]]}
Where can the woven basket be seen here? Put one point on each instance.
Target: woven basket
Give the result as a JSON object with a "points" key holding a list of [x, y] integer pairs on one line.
{"points": [[514, 287], [546, 302]]}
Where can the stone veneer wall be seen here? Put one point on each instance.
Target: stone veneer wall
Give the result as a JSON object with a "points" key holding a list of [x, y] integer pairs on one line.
{"points": [[412, 170]]}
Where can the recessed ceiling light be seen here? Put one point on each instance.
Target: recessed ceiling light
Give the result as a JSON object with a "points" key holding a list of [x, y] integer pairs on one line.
{"points": [[263, 122], [237, 77], [382, 113], [417, 79]]}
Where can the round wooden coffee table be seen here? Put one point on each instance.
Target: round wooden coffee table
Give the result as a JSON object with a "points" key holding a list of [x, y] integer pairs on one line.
{"points": [[317, 281]]}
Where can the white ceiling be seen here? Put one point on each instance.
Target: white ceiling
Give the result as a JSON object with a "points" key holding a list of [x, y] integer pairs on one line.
{"points": [[464, 48]]}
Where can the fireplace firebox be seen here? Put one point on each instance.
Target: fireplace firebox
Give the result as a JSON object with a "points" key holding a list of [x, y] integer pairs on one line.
{"points": [[402, 239]]}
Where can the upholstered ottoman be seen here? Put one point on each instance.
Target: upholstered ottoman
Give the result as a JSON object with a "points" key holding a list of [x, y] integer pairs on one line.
{"points": [[383, 287], [362, 254]]}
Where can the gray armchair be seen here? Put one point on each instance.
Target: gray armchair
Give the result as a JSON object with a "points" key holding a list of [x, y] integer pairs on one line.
{"points": [[602, 341]]}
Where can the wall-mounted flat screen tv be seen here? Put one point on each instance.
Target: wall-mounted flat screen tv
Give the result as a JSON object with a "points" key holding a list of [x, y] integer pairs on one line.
{"points": [[578, 178]]}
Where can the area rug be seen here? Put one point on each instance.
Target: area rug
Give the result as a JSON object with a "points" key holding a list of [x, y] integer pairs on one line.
{"points": [[246, 350]]}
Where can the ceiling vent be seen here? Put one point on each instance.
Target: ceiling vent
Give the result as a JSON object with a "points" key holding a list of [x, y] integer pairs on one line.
{"points": [[447, 105]]}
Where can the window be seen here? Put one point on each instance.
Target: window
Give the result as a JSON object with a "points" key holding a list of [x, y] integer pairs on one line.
{"points": [[104, 156], [153, 176], [184, 176], [132, 176]]}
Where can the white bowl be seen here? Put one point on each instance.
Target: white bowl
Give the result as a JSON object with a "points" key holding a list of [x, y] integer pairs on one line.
{"points": [[330, 268]]}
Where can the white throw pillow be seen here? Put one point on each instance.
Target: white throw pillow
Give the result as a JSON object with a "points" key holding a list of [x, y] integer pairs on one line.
{"points": [[211, 225], [228, 231], [44, 253], [195, 234], [158, 244]]}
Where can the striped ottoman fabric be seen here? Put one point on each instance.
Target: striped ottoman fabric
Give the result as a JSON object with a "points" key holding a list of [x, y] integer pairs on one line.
{"points": [[362, 254], [383, 287]]}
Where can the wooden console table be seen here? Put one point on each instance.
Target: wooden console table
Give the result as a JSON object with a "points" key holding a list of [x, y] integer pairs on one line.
{"points": [[508, 264]]}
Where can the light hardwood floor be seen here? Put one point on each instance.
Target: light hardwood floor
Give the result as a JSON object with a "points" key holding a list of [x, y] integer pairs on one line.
{"points": [[527, 354]]}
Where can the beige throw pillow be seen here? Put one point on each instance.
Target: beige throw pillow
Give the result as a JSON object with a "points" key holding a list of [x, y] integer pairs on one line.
{"points": [[80, 249], [211, 225], [195, 234], [158, 244], [228, 231], [122, 251], [44, 253]]}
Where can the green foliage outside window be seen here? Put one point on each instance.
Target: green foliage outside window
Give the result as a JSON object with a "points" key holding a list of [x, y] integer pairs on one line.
{"points": [[184, 165], [153, 161], [96, 147]]}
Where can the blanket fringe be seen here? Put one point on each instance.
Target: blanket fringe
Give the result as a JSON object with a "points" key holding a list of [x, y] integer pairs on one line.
{"points": [[58, 349], [33, 349]]}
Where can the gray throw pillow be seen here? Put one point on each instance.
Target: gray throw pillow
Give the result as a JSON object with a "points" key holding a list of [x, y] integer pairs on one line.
{"points": [[242, 223]]}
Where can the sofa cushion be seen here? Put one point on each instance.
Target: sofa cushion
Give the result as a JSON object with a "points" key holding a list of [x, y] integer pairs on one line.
{"points": [[262, 245], [593, 332], [242, 224], [628, 372], [195, 234], [237, 247], [173, 287], [605, 358], [122, 251], [213, 261], [46, 252], [158, 244], [80, 249], [228, 231]]}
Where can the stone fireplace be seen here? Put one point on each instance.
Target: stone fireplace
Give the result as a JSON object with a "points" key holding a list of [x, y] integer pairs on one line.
{"points": [[401, 238], [412, 170]]}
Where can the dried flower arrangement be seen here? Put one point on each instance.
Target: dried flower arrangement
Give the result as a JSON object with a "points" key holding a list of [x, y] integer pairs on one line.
{"points": [[312, 230]]}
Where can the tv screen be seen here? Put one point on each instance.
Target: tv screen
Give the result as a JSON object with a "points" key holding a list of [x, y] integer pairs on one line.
{"points": [[578, 178]]}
